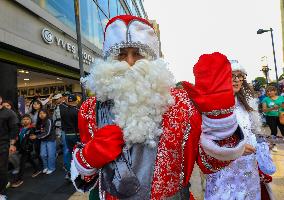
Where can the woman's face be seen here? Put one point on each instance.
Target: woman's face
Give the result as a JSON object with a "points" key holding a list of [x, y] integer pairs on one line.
{"points": [[237, 79], [271, 93], [36, 105], [42, 115], [6, 105]]}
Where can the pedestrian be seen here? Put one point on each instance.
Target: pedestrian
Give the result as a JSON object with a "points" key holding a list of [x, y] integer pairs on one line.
{"points": [[36, 106], [56, 118], [14, 158], [140, 135], [46, 134], [272, 106], [9, 105], [43, 102], [240, 180], [69, 125], [8, 133], [26, 148]]}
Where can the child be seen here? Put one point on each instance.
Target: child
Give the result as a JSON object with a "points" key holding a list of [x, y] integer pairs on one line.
{"points": [[46, 134], [26, 146]]}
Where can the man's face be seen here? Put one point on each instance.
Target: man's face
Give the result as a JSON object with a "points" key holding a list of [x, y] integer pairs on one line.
{"points": [[130, 55], [6, 105], [59, 101]]}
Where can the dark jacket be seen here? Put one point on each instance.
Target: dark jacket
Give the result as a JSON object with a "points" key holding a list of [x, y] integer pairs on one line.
{"points": [[8, 126], [69, 118], [25, 143], [45, 130]]}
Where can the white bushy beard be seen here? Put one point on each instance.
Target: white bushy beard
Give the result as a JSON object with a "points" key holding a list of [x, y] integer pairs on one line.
{"points": [[141, 95]]}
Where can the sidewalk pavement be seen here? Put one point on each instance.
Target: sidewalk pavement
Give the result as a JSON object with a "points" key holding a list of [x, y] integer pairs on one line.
{"points": [[43, 187], [278, 178]]}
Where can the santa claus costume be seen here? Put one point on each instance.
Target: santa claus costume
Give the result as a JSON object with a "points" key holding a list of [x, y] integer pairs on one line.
{"points": [[140, 135]]}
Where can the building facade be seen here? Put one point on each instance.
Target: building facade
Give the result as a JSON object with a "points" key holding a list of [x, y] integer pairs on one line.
{"points": [[38, 48]]}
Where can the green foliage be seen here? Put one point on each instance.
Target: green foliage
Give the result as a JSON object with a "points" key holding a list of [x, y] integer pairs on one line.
{"points": [[261, 80], [281, 77]]}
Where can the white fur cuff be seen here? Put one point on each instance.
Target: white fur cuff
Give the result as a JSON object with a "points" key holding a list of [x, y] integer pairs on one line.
{"points": [[219, 129], [75, 175], [221, 153], [82, 170]]}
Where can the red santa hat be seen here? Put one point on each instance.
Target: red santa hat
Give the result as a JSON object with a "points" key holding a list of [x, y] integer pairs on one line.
{"points": [[130, 31]]}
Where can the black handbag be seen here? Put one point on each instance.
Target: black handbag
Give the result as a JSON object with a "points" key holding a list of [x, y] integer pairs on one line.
{"points": [[118, 177]]}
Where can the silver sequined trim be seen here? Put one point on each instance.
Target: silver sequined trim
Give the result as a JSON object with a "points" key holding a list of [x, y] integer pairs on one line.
{"points": [[185, 138], [84, 160], [220, 112], [115, 49]]}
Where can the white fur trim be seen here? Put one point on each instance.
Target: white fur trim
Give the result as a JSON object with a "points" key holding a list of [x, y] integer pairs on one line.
{"points": [[237, 67], [74, 174], [255, 118], [219, 129], [221, 153], [136, 34], [141, 95], [82, 170]]}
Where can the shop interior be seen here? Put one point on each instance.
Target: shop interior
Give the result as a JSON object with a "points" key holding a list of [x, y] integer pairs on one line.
{"points": [[31, 84]]}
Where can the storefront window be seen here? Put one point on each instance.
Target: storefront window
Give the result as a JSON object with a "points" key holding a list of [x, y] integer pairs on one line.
{"points": [[113, 11], [103, 23], [63, 10], [93, 19], [132, 7], [90, 22], [121, 10], [139, 6], [104, 5]]}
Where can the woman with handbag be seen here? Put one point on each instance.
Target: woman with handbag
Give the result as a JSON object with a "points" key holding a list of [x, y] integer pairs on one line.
{"points": [[273, 107], [239, 180]]}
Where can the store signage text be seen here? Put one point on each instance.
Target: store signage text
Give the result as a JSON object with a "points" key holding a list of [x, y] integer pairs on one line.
{"points": [[49, 38]]}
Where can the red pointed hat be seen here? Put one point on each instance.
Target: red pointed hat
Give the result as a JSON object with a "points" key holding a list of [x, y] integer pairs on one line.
{"points": [[130, 31]]}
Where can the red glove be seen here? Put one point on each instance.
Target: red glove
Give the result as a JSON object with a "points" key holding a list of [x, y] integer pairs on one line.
{"points": [[213, 90], [104, 147], [265, 178]]}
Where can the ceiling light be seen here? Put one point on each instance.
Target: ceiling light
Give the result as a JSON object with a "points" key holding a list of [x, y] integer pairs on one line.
{"points": [[26, 79], [59, 79], [27, 72], [22, 71]]}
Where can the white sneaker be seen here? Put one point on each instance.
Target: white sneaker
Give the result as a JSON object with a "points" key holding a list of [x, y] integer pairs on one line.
{"points": [[15, 171], [50, 171], [274, 149], [44, 170], [3, 197]]}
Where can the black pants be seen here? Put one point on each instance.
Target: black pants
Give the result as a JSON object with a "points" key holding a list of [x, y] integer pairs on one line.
{"points": [[71, 141], [4, 155], [273, 122], [26, 157]]}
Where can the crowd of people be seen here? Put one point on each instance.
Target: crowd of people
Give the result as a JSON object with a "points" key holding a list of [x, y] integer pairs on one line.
{"points": [[37, 137], [142, 133]]}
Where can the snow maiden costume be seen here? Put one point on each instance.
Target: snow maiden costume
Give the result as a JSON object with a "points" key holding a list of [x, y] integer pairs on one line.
{"points": [[240, 180], [140, 135]]}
